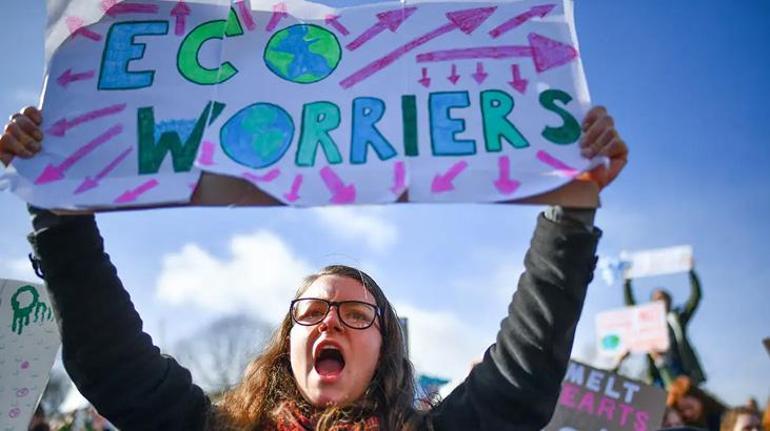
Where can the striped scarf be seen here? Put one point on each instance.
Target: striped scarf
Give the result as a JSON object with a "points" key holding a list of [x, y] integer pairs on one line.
{"points": [[289, 417]]}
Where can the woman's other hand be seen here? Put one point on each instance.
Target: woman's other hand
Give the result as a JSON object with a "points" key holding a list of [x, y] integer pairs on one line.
{"points": [[600, 138]]}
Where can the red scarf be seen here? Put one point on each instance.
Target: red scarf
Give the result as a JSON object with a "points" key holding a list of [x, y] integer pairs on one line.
{"points": [[289, 417]]}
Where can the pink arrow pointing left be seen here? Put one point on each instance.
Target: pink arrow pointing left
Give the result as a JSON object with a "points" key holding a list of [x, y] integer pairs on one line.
{"points": [[466, 20], [77, 27], [536, 11], [62, 126], [134, 194], [504, 183], [68, 77], [90, 183], [341, 193], [389, 20], [180, 13], [279, 13], [56, 172], [444, 182], [546, 53]]}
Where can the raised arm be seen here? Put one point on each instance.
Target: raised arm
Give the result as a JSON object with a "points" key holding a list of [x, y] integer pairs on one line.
{"points": [[517, 384], [628, 293], [693, 301], [113, 363]]}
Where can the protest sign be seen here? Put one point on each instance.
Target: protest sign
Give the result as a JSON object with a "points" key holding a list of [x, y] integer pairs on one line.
{"points": [[657, 262], [594, 400], [29, 340], [310, 104], [637, 329]]}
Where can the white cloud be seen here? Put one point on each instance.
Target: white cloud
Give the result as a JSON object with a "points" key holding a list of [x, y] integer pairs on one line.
{"points": [[18, 269], [441, 344], [359, 224], [259, 278]]}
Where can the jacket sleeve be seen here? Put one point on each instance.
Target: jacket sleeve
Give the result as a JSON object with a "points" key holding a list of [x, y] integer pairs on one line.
{"points": [[517, 384], [693, 301], [113, 363]]}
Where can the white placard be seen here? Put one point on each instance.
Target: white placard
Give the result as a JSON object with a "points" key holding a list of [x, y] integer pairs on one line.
{"points": [[660, 261], [29, 340], [636, 329]]}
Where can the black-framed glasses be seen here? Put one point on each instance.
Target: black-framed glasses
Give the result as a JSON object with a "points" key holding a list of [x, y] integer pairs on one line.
{"points": [[353, 314]]}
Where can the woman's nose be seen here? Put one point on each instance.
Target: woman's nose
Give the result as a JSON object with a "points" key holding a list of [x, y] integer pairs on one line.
{"points": [[332, 320]]}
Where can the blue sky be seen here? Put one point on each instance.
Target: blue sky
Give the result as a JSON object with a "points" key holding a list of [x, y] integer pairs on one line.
{"points": [[687, 84]]}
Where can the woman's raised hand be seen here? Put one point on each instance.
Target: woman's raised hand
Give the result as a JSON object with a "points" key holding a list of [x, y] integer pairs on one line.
{"points": [[22, 136], [600, 138]]}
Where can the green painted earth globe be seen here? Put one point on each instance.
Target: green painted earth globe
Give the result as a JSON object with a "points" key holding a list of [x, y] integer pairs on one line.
{"points": [[258, 135], [303, 53]]}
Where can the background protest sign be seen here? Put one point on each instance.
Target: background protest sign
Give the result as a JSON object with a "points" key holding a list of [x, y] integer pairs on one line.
{"points": [[660, 261], [637, 329], [452, 101], [29, 340], [593, 400]]}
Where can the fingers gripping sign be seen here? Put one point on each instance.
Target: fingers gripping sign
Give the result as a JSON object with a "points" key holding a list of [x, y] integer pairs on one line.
{"points": [[21, 136], [600, 138]]}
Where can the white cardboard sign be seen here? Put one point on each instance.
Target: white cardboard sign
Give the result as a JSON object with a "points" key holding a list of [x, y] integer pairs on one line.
{"points": [[636, 329], [660, 261]]}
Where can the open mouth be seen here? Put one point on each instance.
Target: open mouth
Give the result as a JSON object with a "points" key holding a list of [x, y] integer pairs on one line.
{"points": [[329, 362]]}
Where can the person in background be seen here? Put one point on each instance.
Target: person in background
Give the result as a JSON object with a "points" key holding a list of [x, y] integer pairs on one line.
{"points": [[680, 359], [741, 419], [697, 407], [38, 421]]}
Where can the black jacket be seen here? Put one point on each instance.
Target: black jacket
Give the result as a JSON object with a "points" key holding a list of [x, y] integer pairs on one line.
{"points": [[116, 366]]}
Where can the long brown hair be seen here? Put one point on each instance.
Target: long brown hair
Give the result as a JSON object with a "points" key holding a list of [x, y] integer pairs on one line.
{"points": [[268, 380]]}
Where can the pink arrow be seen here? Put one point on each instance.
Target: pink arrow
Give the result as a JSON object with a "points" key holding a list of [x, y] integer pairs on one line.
{"points": [[390, 20], [180, 13], [341, 193], [114, 9], [536, 11], [562, 168], [279, 13], [244, 11], [61, 127], [293, 195], [77, 28], [546, 53], [334, 21], [425, 81], [480, 74], [466, 20], [68, 77], [90, 183], [268, 177], [133, 195], [443, 183], [207, 153], [505, 184], [519, 84], [454, 77], [399, 178], [55, 173]]}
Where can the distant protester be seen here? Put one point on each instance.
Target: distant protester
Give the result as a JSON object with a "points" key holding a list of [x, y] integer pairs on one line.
{"points": [[741, 419], [680, 359], [697, 407]]}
